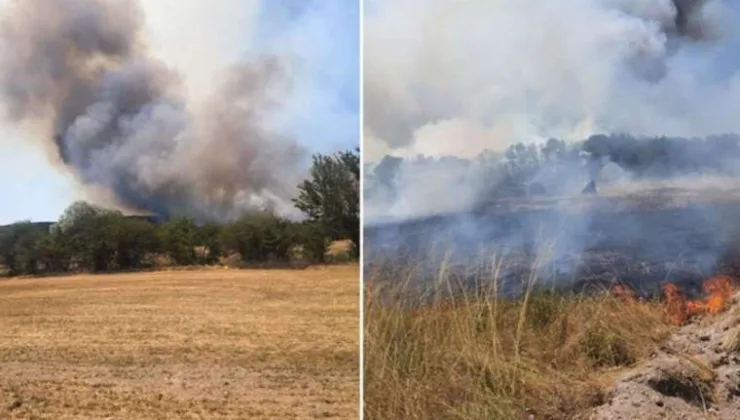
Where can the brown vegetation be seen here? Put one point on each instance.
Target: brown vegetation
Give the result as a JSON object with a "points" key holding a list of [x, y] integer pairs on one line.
{"points": [[469, 353], [231, 344], [481, 356]]}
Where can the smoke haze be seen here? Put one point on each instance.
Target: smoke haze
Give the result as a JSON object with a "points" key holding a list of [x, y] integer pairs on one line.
{"points": [[485, 120], [80, 76], [493, 73]]}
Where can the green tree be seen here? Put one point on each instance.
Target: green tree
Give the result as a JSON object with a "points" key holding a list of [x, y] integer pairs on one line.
{"points": [[90, 236], [209, 237], [135, 240], [312, 239], [99, 240], [18, 247], [331, 196], [258, 237], [179, 238], [53, 252]]}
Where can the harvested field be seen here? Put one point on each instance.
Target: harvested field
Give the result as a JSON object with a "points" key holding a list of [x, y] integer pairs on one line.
{"points": [[227, 344]]}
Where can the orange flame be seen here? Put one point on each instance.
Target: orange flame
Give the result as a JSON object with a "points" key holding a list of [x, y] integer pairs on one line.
{"points": [[675, 304], [624, 293], [719, 288], [679, 310]]}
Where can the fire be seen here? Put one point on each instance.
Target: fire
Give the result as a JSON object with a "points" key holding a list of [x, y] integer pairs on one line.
{"points": [[719, 288], [679, 310], [676, 307], [624, 293]]}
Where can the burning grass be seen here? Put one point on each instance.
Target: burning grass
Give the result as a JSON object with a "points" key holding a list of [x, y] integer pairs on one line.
{"points": [[480, 356], [205, 344], [678, 309]]}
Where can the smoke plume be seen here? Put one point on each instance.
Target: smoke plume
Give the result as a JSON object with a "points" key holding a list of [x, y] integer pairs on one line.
{"points": [[78, 72]]}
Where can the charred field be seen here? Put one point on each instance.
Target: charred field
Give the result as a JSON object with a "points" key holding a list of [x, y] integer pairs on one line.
{"points": [[577, 243]]}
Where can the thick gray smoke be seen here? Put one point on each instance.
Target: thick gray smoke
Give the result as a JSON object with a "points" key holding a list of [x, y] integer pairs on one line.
{"points": [[78, 73], [689, 19]]}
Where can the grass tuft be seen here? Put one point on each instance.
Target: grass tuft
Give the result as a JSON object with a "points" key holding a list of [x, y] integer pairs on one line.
{"points": [[604, 347], [481, 356]]}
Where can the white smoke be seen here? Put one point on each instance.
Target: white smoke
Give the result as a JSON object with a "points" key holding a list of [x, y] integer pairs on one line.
{"points": [[446, 76]]}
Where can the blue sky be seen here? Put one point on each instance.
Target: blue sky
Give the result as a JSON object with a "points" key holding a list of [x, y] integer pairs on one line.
{"points": [[322, 38]]}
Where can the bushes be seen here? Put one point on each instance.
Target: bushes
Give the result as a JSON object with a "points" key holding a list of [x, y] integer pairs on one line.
{"points": [[135, 239], [208, 238], [258, 237], [178, 239], [88, 238], [19, 253], [52, 253], [312, 241]]}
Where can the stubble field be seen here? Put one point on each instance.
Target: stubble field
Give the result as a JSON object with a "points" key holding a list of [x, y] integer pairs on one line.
{"points": [[230, 344]]}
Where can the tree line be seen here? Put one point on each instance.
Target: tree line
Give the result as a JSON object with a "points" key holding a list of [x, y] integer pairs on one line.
{"points": [[94, 239], [521, 166]]}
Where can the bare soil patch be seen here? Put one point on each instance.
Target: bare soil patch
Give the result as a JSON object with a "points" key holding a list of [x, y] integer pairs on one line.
{"points": [[693, 375]]}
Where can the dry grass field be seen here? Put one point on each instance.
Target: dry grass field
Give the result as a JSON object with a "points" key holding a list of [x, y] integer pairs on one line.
{"points": [[481, 356], [227, 344]]}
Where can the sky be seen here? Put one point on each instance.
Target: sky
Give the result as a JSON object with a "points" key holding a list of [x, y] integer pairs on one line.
{"points": [[319, 37]]}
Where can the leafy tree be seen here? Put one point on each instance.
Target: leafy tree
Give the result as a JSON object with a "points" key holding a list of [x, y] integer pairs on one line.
{"points": [[135, 239], [259, 237], [179, 238], [18, 249], [209, 237], [312, 239], [100, 240], [331, 196], [53, 253], [89, 234]]}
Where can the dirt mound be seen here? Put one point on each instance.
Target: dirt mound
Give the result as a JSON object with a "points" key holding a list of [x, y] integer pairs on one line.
{"points": [[695, 375]]}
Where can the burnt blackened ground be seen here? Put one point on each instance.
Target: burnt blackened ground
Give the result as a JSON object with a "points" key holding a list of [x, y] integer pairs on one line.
{"points": [[563, 245]]}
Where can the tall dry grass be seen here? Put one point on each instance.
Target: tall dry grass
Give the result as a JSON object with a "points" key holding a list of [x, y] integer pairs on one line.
{"points": [[476, 355]]}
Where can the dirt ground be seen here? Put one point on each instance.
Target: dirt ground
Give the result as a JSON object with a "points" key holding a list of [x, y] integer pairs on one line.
{"points": [[227, 344], [695, 375]]}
